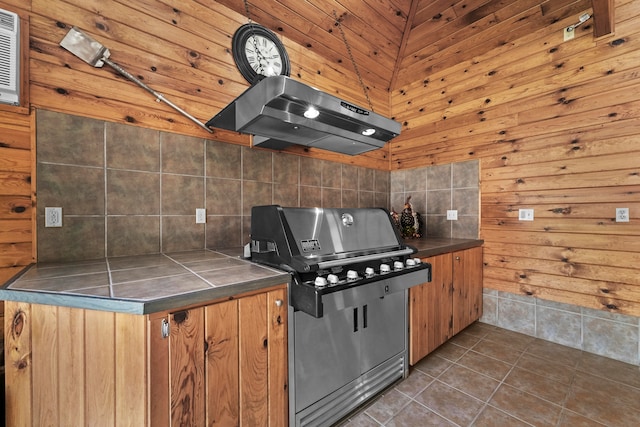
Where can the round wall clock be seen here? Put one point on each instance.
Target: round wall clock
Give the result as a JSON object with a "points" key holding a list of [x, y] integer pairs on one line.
{"points": [[259, 53]]}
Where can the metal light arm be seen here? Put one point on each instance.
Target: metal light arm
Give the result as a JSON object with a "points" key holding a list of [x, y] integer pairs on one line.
{"points": [[583, 18]]}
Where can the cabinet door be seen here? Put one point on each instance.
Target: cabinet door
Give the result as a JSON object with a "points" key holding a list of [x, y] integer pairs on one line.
{"points": [[430, 317], [222, 364], [221, 331], [186, 354], [247, 360], [467, 295]]}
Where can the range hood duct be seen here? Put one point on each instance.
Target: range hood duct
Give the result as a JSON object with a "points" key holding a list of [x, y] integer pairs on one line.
{"points": [[273, 110]]}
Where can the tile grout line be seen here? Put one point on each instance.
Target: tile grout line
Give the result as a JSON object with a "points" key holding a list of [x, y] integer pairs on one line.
{"points": [[486, 404], [436, 378], [530, 351]]}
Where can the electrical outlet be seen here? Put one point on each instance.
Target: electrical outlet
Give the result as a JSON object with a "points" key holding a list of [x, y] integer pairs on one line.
{"points": [[525, 214], [201, 216], [53, 217], [622, 214], [452, 215]]}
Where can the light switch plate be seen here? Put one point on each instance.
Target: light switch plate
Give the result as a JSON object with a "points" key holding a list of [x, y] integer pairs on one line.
{"points": [[452, 215]]}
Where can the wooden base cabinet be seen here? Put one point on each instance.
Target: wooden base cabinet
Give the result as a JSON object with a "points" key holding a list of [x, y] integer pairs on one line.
{"points": [[224, 363], [449, 303]]}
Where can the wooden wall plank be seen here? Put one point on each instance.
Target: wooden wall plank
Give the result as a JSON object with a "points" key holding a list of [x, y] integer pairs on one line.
{"points": [[15, 231], [571, 255], [14, 255], [15, 207], [15, 160], [6, 273], [15, 184]]}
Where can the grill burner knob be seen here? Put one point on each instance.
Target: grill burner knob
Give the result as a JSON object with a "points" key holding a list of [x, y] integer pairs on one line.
{"points": [[320, 282], [417, 261], [352, 275], [398, 265], [332, 279], [384, 268], [411, 262], [368, 272]]}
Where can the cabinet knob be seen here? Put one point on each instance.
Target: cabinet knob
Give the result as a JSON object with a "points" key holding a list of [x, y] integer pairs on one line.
{"points": [[457, 258], [279, 302]]}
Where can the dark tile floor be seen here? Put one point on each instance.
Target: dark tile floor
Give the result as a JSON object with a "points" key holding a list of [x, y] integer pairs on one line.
{"points": [[487, 376]]}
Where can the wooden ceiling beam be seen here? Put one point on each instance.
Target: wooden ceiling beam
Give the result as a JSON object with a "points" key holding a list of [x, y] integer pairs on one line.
{"points": [[403, 44], [603, 17]]}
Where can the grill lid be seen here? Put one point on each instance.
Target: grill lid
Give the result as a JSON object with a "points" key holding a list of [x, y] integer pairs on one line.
{"points": [[306, 239]]}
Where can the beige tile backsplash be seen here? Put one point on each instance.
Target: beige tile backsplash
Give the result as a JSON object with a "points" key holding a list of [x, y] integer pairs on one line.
{"points": [[436, 189], [126, 190]]}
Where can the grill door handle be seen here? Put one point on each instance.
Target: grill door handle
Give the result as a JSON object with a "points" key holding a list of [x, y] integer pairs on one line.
{"points": [[355, 319], [365, 316]]}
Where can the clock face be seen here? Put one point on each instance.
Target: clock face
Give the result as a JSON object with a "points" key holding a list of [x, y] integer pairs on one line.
{"points": [[259, 53], [263, 56]]}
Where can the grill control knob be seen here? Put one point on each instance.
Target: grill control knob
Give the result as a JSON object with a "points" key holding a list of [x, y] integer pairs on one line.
{"points": [[384, 268], [411, 262], [398, 265], [332, 279], [352, 275], [320, 282], [417, 261], [368, 272]]}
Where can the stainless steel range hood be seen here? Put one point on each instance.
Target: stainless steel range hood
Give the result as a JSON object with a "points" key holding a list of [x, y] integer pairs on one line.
{"points": [[273, 110]]}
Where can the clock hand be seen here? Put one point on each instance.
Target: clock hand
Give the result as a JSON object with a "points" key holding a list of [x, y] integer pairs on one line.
{"points": [[259, 54]]}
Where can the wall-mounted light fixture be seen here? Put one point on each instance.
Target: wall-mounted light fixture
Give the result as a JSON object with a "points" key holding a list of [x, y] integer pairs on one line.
{"points": [[583, 18], [569, 32]]}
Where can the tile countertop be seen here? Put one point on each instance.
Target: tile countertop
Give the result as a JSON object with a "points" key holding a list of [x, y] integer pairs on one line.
{"points": [[430, 246], [150, 283], [141, 284]]}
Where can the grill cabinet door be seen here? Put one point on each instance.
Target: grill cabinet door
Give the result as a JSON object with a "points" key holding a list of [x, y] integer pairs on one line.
{"points": [[327, 354], [383, 329]]}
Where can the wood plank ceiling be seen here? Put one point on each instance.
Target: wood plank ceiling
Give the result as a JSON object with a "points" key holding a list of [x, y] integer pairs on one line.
{"points": [[389, 39]]}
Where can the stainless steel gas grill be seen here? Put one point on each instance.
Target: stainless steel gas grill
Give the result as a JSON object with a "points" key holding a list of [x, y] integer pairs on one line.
{"points": [[350, 273]]}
